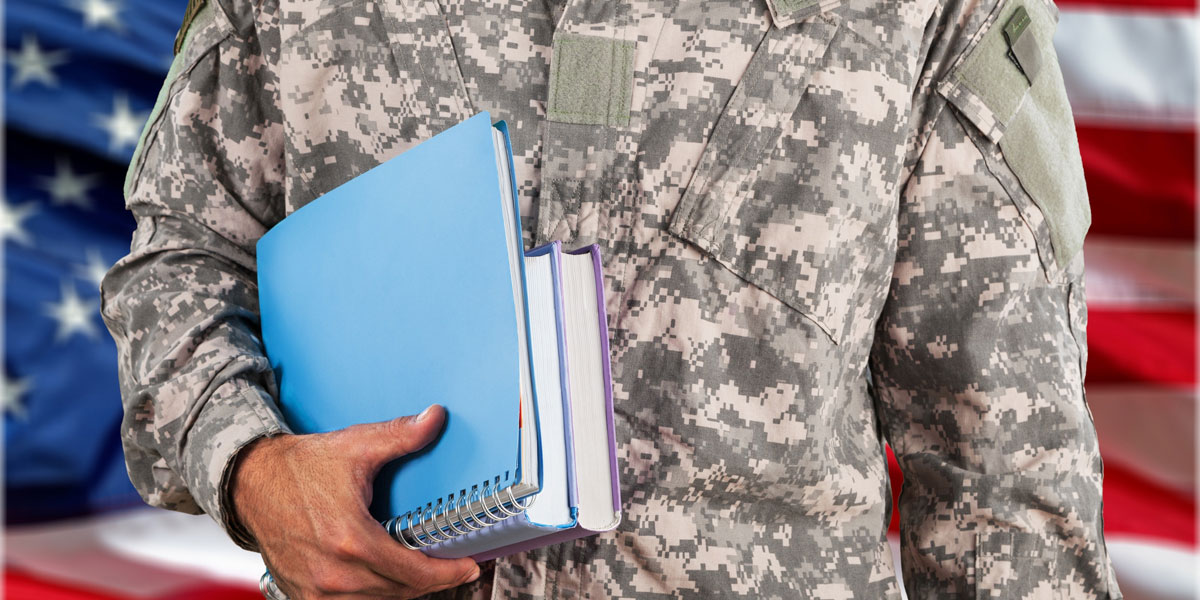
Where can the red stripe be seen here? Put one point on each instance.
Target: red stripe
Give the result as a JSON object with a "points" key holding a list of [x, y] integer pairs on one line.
{"points": [[23, 586], [897, 478], [1141, 182], [1138, 5], [1134, 505], [1141, 346]]}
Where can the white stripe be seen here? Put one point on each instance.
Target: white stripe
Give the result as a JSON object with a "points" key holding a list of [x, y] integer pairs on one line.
{"points": [[141, 553], [1152, 569], [1139, 273], [1148, 429], [1133, 68]]}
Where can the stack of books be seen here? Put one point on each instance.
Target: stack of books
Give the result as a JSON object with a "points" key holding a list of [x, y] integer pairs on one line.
{"points": [[407, 286]]}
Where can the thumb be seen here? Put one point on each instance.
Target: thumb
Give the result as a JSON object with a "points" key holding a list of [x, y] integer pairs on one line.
{"points": [[379, 443]]}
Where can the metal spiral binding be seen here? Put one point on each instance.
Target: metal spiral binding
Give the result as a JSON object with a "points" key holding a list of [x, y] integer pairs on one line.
{"points": [[427, 526]]}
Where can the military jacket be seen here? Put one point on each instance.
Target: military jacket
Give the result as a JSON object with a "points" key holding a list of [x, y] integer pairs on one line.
{"points": [[826, 225]]}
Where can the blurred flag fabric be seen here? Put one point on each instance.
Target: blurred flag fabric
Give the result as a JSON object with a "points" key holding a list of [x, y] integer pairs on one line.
{"points": [[80, 79], [82, 75]]}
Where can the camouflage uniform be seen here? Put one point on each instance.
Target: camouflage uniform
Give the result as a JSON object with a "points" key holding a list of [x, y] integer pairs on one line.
{"points": [[825, 224]]}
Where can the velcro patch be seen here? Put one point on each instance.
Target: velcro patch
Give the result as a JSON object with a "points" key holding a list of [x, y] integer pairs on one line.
{"points": [[590, 80], [790, 12]]}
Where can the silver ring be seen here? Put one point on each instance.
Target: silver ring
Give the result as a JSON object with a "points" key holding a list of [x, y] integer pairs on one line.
{"points": [[420, 530], [523, 506], [398, 533], [389, 526], [420, 522], [470, 500], [270, 590], [458, 515], [432, 521], [458, 510], [484, 497], [450, 523], [446, 517], [415, 544], [500, 505], [515, 505]]}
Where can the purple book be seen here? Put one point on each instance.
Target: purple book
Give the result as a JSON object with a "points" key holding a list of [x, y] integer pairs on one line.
{"points": [[585, 447], [580, 492]]}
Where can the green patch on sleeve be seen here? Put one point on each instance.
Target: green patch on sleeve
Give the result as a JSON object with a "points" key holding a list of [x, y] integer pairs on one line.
{"points": [[1041, 148], [1012, 88], [991, 74]]}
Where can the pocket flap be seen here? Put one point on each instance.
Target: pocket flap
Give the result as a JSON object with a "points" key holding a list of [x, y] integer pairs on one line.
{"points": [[786, 243]]}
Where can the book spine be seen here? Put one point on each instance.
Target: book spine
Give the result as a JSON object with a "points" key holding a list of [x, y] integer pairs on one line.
{"points": [[594, 251], [555, 250]]}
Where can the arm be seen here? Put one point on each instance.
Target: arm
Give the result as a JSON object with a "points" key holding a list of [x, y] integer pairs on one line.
{"points": [[205, 184], [979, 360], [201, 424]]}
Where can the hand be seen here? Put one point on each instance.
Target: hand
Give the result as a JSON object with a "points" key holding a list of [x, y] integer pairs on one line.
{"points": [[304, 498]]}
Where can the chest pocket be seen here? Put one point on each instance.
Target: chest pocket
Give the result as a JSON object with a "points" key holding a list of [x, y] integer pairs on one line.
{"points": [[1010, 89], [786, 194]]}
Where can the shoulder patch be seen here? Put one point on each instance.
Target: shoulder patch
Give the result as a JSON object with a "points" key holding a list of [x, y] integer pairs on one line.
{"points": [[193, 8]]}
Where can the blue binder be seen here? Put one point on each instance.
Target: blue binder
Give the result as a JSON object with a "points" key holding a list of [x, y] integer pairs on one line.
{"points": [[393, 292]]}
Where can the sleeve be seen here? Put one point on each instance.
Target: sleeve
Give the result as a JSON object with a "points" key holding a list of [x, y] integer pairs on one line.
{"points": [[979, 354], [205, 183]]}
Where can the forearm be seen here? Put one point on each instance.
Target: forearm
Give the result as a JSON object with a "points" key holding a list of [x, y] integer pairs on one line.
{"points": [[204, 185], [195, 381]]}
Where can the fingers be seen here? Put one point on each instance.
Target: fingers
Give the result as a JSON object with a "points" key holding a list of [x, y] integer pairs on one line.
{"points": [[425, 575], [364, 561], [333, 547], [379, 443], [393, 561], [357, 579], [348, 583]]}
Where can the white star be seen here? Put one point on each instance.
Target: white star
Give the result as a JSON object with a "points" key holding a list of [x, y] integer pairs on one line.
{"points": [[12, 394], [67, 188], [94, 269], [12, 222], [73, 314], [100, 13], [123, 126], [34, 64]]}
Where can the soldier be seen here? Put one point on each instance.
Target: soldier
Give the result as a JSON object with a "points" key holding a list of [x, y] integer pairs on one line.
{"points": [[827, 225]]}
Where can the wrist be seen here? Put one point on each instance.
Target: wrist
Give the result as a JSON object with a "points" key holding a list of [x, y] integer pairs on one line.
{"points": [[247, 480]]}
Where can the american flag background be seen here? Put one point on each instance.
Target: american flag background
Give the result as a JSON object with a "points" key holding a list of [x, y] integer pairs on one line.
{"points": [[82, 75]]}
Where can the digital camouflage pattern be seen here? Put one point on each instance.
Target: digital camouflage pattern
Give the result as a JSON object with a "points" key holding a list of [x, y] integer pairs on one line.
{"points": [[813, 245]]}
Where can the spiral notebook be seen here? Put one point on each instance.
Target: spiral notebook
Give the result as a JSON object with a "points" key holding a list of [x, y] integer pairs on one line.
{"points": [[407, 286]]}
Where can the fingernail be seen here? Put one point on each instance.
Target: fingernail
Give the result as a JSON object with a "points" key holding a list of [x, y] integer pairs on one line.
{"points": [[424, 413]]}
